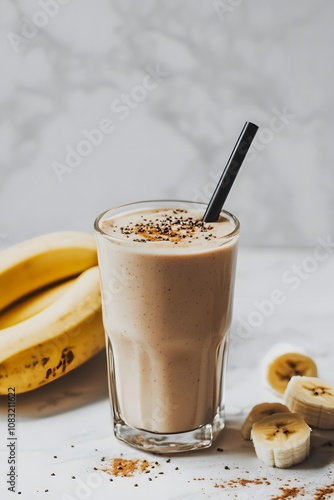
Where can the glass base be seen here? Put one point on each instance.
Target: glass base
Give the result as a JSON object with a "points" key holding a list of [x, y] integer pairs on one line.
{"points": [[196, 439]]}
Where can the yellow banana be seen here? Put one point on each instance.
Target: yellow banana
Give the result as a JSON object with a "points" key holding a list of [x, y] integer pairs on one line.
{"points": [[56, 340], [36, 263], [33, 304]]}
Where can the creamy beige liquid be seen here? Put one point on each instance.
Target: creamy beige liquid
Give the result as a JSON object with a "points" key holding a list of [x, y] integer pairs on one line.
{"points": [[168, 284]]}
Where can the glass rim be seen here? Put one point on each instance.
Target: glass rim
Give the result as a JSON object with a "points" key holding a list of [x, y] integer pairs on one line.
{"points": [[134, 204]]}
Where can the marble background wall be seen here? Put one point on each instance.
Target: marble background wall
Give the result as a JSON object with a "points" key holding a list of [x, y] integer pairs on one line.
{"points": [[169, 85]]}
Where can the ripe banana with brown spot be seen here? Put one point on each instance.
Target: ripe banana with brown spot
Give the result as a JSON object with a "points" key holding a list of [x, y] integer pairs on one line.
{"points": [[36, 263], [56, 340], [281, 440], [313, 398], [284, 361], [258, 412]]}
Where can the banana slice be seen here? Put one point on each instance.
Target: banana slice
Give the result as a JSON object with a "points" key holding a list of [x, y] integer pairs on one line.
{"points": [[281, 440], [259, 411], [284, 361], [313, 398]]}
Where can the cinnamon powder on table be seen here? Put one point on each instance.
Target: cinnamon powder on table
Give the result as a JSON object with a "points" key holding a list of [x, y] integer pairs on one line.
{"points": [[319, 494], [288, 493], [123, 467], [233, 483], [322, 493]]}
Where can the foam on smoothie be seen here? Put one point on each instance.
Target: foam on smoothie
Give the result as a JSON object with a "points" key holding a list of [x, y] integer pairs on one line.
{"points": [[174, 226]]}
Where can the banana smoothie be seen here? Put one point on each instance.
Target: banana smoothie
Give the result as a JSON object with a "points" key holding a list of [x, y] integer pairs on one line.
{"points": [[167, 283]]}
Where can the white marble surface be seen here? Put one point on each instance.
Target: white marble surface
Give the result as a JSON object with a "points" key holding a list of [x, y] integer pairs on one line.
{"points": [[227, 62], [70, 419]]}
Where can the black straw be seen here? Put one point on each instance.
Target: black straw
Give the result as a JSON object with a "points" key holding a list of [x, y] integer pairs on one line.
{"points": [[230, 172]]}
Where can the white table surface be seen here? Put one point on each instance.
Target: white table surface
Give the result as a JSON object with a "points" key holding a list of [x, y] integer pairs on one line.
{"points": [[70, 419]]}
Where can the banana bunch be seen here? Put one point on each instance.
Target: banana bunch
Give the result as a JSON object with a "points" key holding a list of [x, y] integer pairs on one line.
{"points": [[281, 433], [50, 309]]}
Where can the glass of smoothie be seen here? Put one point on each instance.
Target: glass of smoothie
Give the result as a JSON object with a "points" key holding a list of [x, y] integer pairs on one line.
{"points": [[167, 283]]}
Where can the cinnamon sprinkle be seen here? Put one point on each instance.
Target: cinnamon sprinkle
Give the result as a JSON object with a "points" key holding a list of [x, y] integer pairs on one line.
{"points": [[234, 483], [321, 493], [168, 228], [123, 467], [288, 493]]}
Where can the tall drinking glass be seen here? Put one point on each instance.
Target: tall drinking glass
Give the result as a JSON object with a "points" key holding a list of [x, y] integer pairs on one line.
{"points": [[167, 284]]}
